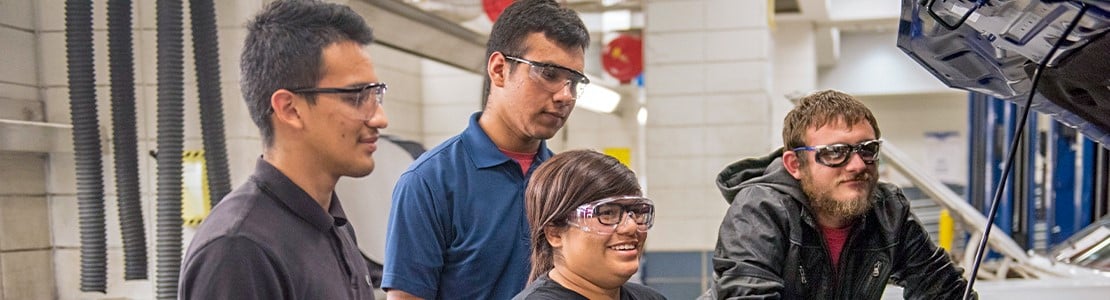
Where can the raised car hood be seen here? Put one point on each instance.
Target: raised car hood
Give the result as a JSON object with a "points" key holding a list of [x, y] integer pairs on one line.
{"points": [[996, 49]]}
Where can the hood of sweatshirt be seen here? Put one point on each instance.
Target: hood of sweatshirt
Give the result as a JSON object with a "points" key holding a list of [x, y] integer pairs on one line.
{"points": [[766, 170]]}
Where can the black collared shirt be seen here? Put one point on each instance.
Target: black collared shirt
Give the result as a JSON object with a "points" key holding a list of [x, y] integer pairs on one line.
{"points": [[269, 239]]}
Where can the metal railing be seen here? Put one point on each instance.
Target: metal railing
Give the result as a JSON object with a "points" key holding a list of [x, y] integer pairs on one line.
{"points": [[1016, 260]]}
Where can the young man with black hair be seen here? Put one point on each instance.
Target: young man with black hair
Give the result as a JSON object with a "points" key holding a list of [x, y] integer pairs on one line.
{"points": [[311, 89]]}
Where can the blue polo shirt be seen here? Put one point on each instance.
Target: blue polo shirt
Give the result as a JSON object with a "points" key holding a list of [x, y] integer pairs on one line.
{"points": [[457, 228]]}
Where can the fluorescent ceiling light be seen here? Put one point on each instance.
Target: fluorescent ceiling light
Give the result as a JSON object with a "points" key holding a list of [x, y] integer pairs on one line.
{"points": [[600, 99]]}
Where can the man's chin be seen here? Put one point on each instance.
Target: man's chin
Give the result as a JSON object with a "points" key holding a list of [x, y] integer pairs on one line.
{"points": [[545, 134], [855, 207], [361, 170]]}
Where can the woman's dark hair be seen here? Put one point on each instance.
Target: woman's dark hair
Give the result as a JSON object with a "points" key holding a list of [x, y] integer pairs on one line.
{"points": [[563, 183]]}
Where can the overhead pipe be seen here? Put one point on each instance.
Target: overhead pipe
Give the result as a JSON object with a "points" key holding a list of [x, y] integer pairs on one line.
{"points": [[170, 144], [125, 140], [86, 145], [206, 56]]}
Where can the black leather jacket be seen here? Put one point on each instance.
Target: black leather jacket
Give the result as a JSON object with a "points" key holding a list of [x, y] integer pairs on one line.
{"points": [[769, 246]]}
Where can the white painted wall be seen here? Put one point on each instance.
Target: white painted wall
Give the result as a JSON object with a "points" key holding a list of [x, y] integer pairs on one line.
{"points": [[795, 71], [871, 64], [905, 120], [863, 9], [708, 79]]}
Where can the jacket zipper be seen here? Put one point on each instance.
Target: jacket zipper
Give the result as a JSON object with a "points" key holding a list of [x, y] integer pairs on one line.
{"points": [[838, 269], [807, 218], [868, 287], [802, 273]]}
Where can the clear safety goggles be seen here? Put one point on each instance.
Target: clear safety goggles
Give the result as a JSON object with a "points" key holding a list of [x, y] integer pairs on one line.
{"points": [[605, 215], [554, 78], [364, 99]]}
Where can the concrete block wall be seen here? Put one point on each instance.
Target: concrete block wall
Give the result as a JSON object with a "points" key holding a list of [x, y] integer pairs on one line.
{"points": [[26, 261], [795, 70], [26, 268], [711, 99], [708, 80]]}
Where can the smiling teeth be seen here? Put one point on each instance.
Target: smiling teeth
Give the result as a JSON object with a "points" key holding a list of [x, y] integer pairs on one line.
{"points": [[624, 247]]}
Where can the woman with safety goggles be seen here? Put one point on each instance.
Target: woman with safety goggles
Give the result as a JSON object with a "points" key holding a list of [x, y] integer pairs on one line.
{"points": [[589, 222]]}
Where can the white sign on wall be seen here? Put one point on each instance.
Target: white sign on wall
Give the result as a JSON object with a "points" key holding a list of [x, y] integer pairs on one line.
{"points": [[942, 156]]}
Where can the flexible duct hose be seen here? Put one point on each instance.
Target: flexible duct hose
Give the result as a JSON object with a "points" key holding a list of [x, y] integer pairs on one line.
{"points": [[86, 145], [125, 139], [206, 55], [170, 139]]}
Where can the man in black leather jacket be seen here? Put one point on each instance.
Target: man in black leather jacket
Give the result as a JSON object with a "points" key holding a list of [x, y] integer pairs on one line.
{"points": [[813, 222]]}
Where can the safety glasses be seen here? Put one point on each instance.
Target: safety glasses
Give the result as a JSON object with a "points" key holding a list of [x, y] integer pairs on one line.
{"points": [[554, 77], [605, 215], [838, 155], [358, 97]]}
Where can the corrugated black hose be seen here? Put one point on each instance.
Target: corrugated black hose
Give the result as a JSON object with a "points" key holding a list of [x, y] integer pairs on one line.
{"points": [[86, 145], [206, 52], [170, 142], [125, 140]]}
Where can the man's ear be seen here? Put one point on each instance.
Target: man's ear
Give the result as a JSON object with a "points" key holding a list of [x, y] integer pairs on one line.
{"points": [[285, 109], [497, 68], [793, 164], [554, 236]]}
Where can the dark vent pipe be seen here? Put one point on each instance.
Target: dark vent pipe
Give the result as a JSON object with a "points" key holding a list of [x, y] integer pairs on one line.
{"points": [[206, 55], [86, 145], [170, 142], [125, 139]]}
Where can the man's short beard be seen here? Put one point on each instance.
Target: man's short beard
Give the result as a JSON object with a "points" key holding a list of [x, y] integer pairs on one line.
{"points": [[822, 202]]}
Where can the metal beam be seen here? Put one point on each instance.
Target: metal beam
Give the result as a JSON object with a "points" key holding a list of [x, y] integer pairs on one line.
{"points": [[26, 136], [410, 29]]}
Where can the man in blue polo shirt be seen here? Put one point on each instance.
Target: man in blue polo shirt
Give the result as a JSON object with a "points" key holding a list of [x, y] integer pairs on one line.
{"points": [[457, 229]]}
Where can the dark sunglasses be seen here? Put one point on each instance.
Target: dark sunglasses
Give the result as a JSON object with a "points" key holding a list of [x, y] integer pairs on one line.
{"points": [[838, 155]]}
